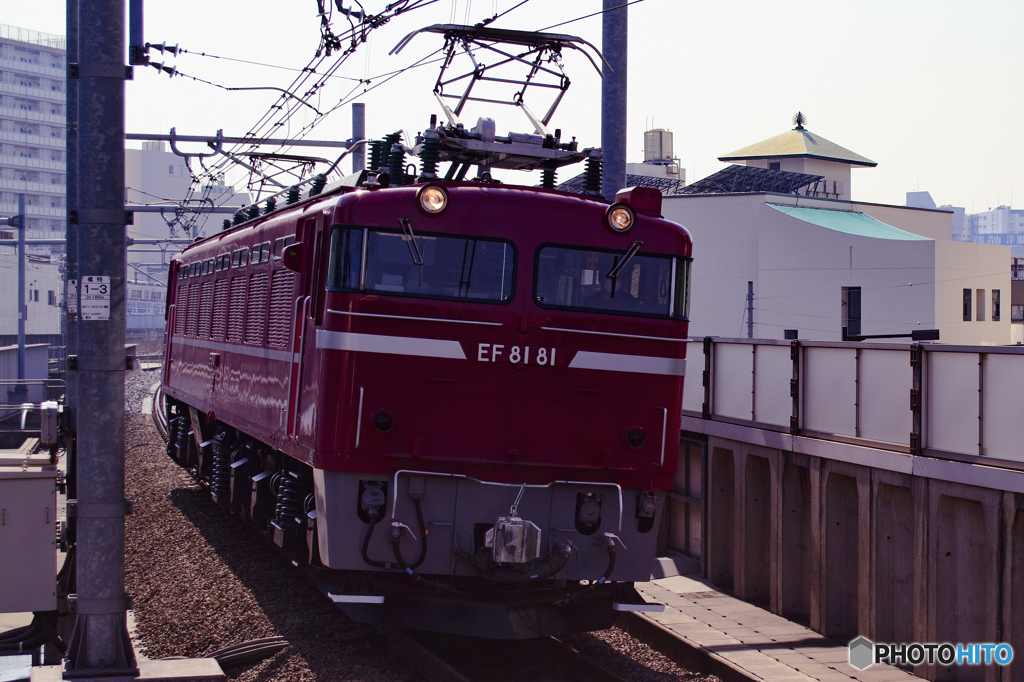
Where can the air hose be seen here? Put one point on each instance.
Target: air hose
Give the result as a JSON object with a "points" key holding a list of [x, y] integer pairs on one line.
{"points": [[609, 546], [423, 530], [374, 513]]}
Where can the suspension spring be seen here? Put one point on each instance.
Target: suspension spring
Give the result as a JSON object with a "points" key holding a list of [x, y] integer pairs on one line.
{"points": [[182, 457], [220, 480], [290, 500]]}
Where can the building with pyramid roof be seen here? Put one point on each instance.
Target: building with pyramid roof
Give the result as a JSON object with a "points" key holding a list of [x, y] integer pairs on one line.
{"points": [[779, 224], [801, 151]]}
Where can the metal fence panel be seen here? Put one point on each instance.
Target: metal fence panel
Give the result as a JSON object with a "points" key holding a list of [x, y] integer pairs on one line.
{"points": [[774, 369], [1003, 407], [884, 395], [733, 380], [830, 396], [952, 405], [693, 387]]}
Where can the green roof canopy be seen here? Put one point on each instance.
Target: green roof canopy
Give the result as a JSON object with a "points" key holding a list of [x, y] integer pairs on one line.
{"points": [[849, 222], [798, 143]]}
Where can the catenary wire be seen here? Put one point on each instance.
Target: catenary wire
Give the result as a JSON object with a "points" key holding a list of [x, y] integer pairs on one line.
{"points": [[593, 14]]}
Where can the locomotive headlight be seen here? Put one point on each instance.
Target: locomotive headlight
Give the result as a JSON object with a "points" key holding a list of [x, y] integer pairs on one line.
{"points": [[433, 199], [620, 218]]}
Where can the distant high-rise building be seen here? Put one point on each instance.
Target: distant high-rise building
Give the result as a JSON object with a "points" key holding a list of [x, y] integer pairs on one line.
{"points": [[32, 129]]}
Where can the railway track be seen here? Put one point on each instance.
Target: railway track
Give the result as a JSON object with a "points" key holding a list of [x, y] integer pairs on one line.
{"points": [[444, 658], [159, 415]]}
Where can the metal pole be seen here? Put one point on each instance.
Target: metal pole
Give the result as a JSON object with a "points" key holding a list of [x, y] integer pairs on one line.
{"points": [[136, 46], [67, 584], [613, 98], [22, 390], [100, 645], [750, 310], [359, 133]]}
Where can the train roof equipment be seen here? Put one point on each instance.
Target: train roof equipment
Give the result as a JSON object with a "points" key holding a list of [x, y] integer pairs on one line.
{"points": [[480, 145]]}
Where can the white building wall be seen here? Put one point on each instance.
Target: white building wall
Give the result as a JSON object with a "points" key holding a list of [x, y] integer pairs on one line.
{"points": [[803, 269], [980, 268], [44, 289], [725, 239], [799, 270], [157, 176]]}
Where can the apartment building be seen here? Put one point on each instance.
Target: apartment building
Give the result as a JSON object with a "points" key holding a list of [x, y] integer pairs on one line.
{"points": [[32, 129]]}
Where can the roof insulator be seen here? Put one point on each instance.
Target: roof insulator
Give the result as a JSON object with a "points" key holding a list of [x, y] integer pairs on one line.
{"points": [[319, 182]]}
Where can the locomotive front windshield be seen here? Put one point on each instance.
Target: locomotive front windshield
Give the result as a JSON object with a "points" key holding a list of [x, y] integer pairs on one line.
{"points": [[579, 279], [432, 266]]}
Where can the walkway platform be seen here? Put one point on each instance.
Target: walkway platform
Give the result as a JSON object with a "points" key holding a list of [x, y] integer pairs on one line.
{"points": [[707, 630]]}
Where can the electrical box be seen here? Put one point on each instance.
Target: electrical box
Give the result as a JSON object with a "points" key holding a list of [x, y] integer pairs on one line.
{"points": [[28, 539], [49, 411]]}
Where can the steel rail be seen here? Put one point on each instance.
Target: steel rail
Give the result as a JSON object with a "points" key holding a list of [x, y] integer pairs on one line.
{"points": [[445, 658]]}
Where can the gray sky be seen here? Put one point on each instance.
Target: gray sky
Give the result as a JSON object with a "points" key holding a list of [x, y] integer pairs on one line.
{"points": [[926, 89]]}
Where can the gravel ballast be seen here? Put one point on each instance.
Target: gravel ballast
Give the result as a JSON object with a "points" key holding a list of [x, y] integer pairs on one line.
{"points": [[202, 581]]}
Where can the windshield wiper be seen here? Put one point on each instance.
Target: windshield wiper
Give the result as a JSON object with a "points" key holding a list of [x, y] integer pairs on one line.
{"points": [[410, 240], [625, 258]]}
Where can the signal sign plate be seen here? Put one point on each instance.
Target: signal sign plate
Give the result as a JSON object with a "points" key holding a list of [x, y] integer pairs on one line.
{"points": [[95, 298]]}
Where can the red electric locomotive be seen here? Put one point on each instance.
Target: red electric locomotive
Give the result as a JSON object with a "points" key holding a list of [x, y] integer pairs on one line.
{"points": [[458, 402]]}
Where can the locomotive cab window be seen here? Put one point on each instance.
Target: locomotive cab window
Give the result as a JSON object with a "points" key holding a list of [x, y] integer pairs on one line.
{"points": [[578, 279], [431, 266]]}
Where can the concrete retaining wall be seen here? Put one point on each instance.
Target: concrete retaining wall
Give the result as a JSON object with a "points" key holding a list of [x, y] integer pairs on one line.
{"points": [[853, 550]]}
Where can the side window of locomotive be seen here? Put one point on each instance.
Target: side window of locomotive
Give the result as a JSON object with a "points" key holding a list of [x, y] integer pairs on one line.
{"points": [[240, 258], [578, 279], [280, 245], [264, 253], [432, 266]]}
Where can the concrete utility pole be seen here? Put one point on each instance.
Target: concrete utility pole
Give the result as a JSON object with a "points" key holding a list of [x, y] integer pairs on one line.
{"points": [[613, 98], [22, 390], [71, 249], [359, 133], [100, 645]]}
